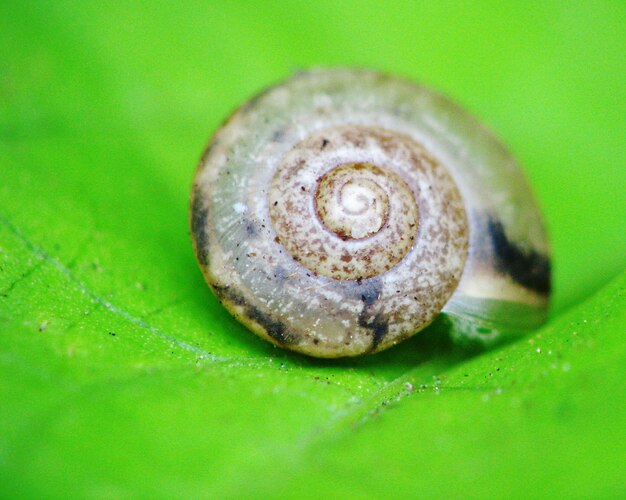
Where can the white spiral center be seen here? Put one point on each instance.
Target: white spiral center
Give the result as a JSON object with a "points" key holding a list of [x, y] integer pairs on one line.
{"points": [[355, 198], [351, 201]]}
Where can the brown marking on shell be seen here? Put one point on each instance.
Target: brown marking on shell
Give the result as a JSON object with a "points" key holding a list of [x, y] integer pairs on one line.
{"points": [[254, 317], [199, 230], [527, 267]]}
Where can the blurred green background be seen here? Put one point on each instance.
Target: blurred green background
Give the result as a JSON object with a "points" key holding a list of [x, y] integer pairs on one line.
{"points": [[120, 374]]}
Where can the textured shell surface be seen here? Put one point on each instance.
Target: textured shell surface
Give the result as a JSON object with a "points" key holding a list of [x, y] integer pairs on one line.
{"points": [[343, 210]]}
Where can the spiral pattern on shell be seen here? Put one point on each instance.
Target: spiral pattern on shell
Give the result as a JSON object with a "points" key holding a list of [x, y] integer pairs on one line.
{"points": [[342, 211]]}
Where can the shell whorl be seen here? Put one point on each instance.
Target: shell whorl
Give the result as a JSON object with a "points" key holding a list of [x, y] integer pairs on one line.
{"points": [[346, 204], [332, 217]]}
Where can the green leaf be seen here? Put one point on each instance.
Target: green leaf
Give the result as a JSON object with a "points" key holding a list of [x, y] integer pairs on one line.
{"points": [[121, 375]]}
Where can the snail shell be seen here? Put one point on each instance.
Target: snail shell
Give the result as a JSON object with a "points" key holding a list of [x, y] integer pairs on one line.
{"points": [[342, 211]]}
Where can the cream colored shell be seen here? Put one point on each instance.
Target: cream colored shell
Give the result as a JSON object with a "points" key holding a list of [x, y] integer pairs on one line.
{"points": [[342, 211]]}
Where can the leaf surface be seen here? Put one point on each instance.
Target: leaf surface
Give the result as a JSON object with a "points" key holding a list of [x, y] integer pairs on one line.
{"points": [[120, 373]]}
